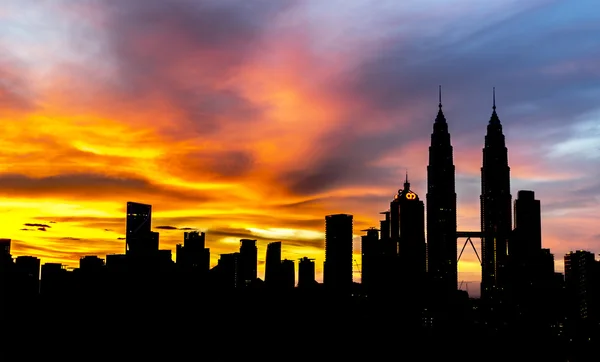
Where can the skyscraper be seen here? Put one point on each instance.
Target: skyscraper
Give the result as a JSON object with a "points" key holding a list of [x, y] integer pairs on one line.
{"points": [[527, 243], [496, 223], [273, 264], [408, 227], [337, 273], [248, 261], [441, 208], [139, 228]]}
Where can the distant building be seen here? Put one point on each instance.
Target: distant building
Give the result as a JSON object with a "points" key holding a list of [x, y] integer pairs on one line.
{"points": [[288, 274], [193, 254], [273, 265], [337, 273], [306, 273], [582, 282], [248, 262]]}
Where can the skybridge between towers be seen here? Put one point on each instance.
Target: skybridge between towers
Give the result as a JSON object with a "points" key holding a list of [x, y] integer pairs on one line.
{"points": [[468, 235]]}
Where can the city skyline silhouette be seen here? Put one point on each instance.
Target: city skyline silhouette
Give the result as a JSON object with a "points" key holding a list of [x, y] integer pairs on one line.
{"points": [[460, 139]]}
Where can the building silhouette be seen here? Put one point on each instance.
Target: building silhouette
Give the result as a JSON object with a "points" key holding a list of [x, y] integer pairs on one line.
{"points": [[288, 274], [139, 237], [193, 253], [496, 199], [372, 268], [273, 265], [582, 281], [441, 209], [306, 273], [337, 270], [248, 262], [408, 227]]}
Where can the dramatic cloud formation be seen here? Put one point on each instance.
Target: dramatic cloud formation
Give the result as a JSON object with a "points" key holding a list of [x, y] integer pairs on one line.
{"points": [[256, 119]]}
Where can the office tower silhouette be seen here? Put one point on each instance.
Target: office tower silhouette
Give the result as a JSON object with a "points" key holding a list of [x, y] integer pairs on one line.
{"points": [[532, 284], [248, 262], [441, 209], [582, 280], [228, 271], [496, 199], [408, 227], [273, 265], [27, 276], [372, 264], [139, 237], [337, 270], [193, 255], [288, 274], [527, 233], [306, 273]]}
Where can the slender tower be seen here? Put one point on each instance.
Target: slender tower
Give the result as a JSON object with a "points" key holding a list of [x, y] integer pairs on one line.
{"points": [[441, 208], [496, 222]]}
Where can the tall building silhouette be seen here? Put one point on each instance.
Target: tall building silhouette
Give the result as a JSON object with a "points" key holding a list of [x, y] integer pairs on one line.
{"points": [[527, 242], [337, 273], [441, 208], [583, 285], [371, 264], [496, 223], [273, 264], [288, 274], [408, 227], [248, 261], [139, 236], [306, 273]]}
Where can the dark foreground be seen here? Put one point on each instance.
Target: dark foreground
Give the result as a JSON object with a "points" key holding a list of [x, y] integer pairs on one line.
{"points": [[283, 328]]}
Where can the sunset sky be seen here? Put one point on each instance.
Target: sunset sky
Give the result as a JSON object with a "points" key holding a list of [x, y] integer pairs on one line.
{"points": [[255, 119]]}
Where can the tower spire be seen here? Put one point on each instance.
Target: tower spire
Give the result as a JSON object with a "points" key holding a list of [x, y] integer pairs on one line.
{"points": [[406, 183], [440, 119], [494, 120]]}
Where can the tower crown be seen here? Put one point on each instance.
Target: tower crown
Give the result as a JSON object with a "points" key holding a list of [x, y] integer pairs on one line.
{"points": [[406, 193]]}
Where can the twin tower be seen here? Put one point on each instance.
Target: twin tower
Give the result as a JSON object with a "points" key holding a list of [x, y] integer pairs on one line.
{"points": [[436, 260]]}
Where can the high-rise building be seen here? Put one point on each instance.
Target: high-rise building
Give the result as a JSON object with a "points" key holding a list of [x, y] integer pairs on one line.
{"points": [[139, 236], [371, 263], [441, 209], [288, 274], [582, 283], [528, 227], [273, 264], [228, 268], [496, 199], [408, 228], [306, 273], [248, 261], [337, 273]]}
